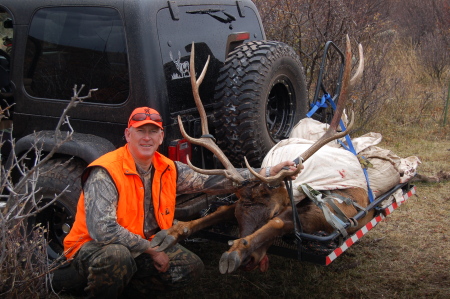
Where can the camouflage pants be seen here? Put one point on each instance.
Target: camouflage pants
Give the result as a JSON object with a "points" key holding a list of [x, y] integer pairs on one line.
{"points": [[111, 271]]}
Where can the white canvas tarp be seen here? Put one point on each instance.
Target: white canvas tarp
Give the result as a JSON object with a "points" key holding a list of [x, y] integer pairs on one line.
{"points": [[333, 167]]}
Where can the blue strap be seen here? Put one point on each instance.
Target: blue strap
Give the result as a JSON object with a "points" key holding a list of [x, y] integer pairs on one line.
{"points": [[326, 98], [366, 174], [317, 105]]}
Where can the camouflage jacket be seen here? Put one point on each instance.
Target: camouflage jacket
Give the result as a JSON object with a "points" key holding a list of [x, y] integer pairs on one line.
{"points": [[101, 202]]}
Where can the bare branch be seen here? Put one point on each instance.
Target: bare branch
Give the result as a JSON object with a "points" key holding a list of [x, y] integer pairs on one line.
{"points": [[23, 256], [58, 140]]}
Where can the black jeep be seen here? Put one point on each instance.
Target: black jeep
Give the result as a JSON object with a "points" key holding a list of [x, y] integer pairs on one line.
{"points": [[136, 52]]}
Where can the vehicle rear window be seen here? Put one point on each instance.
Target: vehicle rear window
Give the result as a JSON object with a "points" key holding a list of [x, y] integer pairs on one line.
{"points": [[209, 26], [77, 45]]}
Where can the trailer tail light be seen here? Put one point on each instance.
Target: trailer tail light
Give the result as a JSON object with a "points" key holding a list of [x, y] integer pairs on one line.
{"points": [[179, 149]]}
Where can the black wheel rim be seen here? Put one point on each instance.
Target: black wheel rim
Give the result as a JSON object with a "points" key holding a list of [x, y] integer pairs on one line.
{"points": [[280, 110], [58, 220]]}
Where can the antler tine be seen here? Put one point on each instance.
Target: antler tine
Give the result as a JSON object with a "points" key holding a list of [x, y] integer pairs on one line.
{"points": [[347, 85], [230, 171], [276, 179], [195, 89], [359, 72]]}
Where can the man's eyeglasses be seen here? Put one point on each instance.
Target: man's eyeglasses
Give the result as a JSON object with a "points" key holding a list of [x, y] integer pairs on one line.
{"points": [[144, 116]]}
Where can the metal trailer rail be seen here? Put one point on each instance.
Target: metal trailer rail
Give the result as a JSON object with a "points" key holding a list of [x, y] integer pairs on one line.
{"points": [[283, 247], [380, 214]]}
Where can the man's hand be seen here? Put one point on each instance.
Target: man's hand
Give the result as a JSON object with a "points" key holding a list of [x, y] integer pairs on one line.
{"points": [[160, 259], [273, 170]]}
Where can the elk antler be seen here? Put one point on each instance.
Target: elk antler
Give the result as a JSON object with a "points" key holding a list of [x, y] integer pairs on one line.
{"points": [[347, 86], [331, 133], [205, 140]]}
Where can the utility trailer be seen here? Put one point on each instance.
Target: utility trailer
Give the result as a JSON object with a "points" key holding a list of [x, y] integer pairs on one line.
{"points": [[321, 249]]}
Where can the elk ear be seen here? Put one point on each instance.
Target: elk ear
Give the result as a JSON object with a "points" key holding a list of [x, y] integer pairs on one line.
{"points": [[268, 190]]}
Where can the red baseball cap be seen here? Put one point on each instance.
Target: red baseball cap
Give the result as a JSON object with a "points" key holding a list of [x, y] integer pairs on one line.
{"points": [[144, 115]]}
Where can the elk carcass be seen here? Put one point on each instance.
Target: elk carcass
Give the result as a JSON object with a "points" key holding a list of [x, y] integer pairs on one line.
{"points": [[263, 209]]}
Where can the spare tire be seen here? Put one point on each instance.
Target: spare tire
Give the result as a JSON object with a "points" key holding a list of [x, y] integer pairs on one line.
{"points": [[260, 96], [56, 176]]}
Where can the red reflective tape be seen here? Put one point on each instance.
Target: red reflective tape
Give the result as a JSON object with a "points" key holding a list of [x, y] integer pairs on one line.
{"points": [[391, 208], [349, 242], [411, 192], [359, 233]]}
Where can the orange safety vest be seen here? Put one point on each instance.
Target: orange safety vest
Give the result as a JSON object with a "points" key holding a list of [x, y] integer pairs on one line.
{"points": [[130, 207]]}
